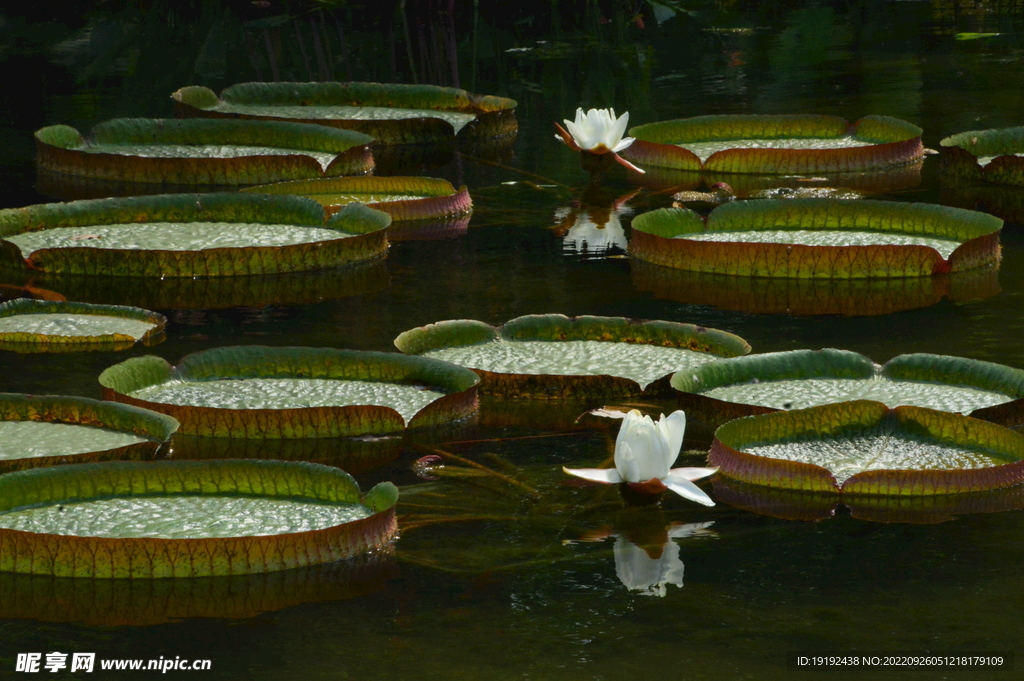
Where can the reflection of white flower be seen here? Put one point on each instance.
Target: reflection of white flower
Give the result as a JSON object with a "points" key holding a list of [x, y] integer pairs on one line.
{"points": [[639, 571], [587, 235], [644, 454], [597, 132]]}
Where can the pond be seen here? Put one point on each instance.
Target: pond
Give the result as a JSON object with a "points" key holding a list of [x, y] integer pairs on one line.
{"points": [[525, 583]]}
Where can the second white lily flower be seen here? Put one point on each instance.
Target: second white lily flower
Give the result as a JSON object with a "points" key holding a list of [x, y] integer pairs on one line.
{"points": [[644, 454]]}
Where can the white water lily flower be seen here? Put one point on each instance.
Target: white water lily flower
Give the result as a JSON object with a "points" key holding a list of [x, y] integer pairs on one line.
{"points": [[597, 132], [644, 454]]}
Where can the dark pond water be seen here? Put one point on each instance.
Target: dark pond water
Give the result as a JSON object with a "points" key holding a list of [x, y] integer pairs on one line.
{"points": [[529, 590]]}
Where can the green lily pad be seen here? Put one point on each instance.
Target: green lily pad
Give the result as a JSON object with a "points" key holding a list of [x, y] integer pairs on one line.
{"points": [[209, 293], [189, 235], [792, 296], [995, 156], [403, 198], [48, 430], [863, 447], [181, 518], [798, 379], [263, 392], [557, 357], [203, 152], [775, 144], [144, 602], [28, 325], [849, 239], [391, 113]]}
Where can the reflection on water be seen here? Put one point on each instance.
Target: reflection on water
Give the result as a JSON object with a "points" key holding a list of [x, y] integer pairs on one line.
{"points": [[497, 594]]}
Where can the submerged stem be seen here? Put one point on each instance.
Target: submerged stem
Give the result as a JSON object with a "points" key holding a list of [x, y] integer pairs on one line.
{"points": [[473, 464]]}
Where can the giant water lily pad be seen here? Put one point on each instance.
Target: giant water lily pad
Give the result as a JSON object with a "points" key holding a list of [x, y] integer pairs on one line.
{"points": [[203, 152], [557, 357], [793, 296], [403, 198], [143, 602], [28, 325], [47, 430], [189, 235], [392, 114], [819, 239], [995, 156], [776, 144], [864, 447], [187, 518], [797, 379], [264, 392]]}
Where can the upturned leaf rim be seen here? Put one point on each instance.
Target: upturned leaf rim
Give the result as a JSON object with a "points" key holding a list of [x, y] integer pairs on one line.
{"points": [[256, 361], [146, 558]]}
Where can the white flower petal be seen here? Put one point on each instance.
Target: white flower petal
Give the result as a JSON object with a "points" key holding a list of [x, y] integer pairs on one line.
{"points": [[626, 463], [692, 473], [686, 489], [672, 428], [607, 475], [623, 144], [617, 130]]}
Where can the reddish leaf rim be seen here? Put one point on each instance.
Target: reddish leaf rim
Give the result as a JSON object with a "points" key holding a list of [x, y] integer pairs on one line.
{"points": [[557, 327], [727, 451], [58, 149], [296, 362], [34, 342], [146, 558], [690, 385], [495, 116], [895, 143], [439, 198], [960, 153], [83, 411], [652, 239]]}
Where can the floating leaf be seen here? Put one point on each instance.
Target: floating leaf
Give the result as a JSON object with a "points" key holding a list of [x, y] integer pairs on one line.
{"points": [[797, 379], [775, 144], [143, 602], [392, 114], [142, 544], [403, 198], [203, 152], [671, 237], [863, 447], [189, 235], [995, 156], [263, 392], [557, 357], [792, 296], [48, 430], [50, 326]]}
